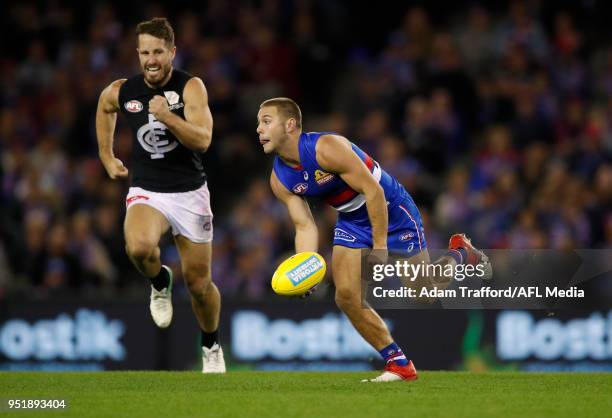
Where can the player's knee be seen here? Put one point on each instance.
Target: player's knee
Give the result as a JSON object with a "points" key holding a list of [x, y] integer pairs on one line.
{"points": [[140, 249], [346, 298], [198, 279]]}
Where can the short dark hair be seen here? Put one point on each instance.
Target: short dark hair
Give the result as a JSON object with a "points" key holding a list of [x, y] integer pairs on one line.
{"points": [[158, 27], [287, 108]]}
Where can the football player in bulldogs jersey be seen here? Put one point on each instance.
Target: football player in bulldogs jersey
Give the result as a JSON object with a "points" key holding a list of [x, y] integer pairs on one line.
{"points": [[167, 110], [374, 211]]}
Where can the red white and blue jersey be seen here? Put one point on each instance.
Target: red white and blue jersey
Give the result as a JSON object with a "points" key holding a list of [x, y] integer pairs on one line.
{"points": [[310, 180], [353, 228]]}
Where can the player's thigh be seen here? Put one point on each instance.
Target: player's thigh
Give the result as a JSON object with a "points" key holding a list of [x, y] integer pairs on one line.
{"points": [[346, 271], [195, 259], [143, 226]]}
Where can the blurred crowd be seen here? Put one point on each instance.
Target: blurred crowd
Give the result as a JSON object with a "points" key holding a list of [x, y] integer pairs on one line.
{"points": [[497, 121]]}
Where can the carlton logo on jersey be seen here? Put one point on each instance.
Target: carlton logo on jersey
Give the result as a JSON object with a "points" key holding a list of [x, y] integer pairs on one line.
{"points": [[152, 138], [133, 106], [321, 177]]}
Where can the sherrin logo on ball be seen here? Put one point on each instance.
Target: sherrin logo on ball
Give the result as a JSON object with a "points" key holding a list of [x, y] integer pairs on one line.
{"points": [[297, 274]]}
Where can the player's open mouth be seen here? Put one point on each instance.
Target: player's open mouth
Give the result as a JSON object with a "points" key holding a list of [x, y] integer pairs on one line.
{"points": [[153, 70], [264, 141]]}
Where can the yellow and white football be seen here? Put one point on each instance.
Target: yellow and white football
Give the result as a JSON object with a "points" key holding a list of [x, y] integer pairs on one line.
{"points": [[297, 274]]}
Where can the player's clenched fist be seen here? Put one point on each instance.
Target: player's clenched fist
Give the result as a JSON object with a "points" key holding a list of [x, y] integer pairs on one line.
{"points": [[158, 107], [115, 168]]}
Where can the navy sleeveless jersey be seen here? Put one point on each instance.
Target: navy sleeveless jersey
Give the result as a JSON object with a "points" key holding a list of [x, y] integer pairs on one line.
{"points": [[160, 163], [311, 180]]}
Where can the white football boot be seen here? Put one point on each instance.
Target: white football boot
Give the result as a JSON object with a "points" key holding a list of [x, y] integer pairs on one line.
{"points": [[212, 359], [161, 303]]}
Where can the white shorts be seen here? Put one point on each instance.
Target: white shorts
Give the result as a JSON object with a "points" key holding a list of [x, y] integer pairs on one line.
{"points": [[188, 213]]}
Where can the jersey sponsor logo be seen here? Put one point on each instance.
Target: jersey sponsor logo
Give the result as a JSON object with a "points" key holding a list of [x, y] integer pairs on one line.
{"points": [[305, 175], [173, 100], [406, 236], [172, 97], [342, 235], [152, 138], [300, 188], [133, 106], [321, 177]]}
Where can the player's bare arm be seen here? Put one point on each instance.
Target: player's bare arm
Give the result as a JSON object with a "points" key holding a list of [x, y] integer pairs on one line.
{"points": [[306, 233], [106, 119], [334, 154], [195, 131]]}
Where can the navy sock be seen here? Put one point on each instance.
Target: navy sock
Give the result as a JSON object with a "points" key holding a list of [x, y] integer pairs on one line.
{"points": [[393, 353], [210, 338], [161, 280], [459, 255]]}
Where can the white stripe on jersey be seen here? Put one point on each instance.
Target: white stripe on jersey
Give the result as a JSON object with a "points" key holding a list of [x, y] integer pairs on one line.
{"points": [[359, 200]]}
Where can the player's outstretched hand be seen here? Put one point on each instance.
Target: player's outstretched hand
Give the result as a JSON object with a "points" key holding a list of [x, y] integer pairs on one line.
{"points": [[115, 168]]}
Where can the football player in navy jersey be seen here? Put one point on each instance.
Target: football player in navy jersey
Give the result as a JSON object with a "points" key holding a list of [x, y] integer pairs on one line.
{"points": [[374, 211], [171, 123]]}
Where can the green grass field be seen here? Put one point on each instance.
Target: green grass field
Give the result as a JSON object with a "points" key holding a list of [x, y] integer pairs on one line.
{"points": [[287, 394]]}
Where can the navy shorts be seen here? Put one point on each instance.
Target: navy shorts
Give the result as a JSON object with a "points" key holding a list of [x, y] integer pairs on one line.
{"points": [[405, 234]]}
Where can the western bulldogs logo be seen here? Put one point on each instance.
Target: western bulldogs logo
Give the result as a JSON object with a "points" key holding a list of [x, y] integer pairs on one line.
{"points": [[342, 235], [300, 188], [151, 138]]}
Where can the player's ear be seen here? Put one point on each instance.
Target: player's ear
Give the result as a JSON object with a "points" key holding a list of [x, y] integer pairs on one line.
{"points": [[290, 125], [173, 52]]}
